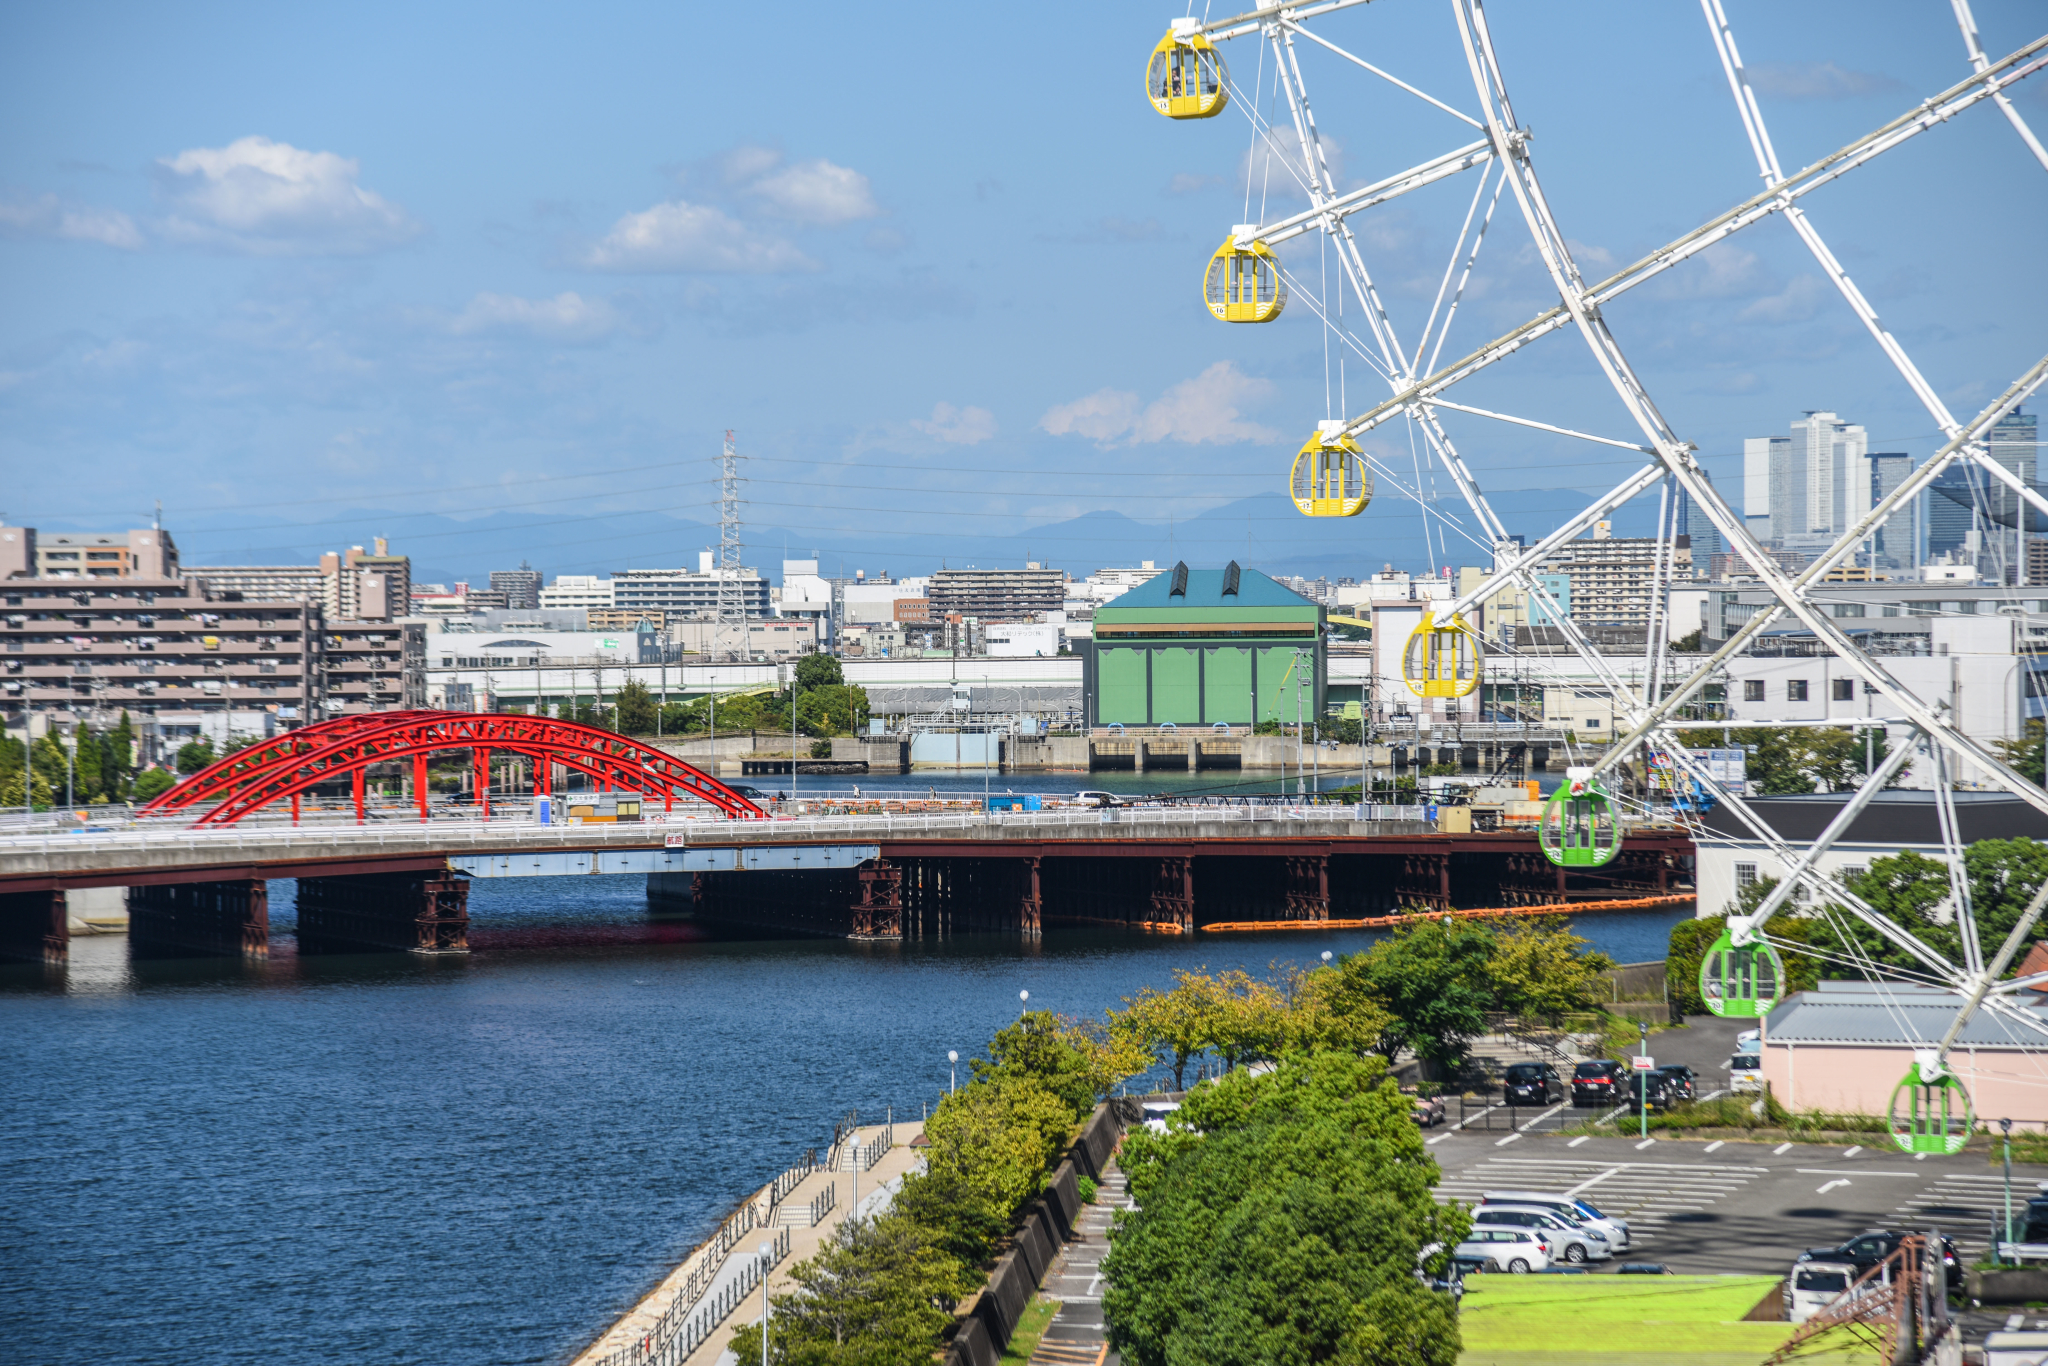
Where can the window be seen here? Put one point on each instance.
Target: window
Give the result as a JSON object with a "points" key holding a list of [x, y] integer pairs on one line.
{"points": [[1592, 723], [1795, 690], [1745, 875], [1842, 689], [1853, 871], [1752, 690], [1848, 609]]}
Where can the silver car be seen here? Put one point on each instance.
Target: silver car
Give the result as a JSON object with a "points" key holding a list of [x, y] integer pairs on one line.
{"points": [[1569, 1206], [1570, 1240], [1515, 1250]]}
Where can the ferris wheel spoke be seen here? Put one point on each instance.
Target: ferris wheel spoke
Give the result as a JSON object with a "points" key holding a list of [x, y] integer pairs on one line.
{"points": [[1539, 426], [1295, 26], [1967, 22], [1995, 77], [1371, 196], [1256, 21]]}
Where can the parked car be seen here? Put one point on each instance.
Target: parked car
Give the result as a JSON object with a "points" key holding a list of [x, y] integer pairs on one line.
{"points": [[1651, 1090], [1615, 1229], [1745, 1074], [1866, 1250], [1813, 1286], [1682, 1079], [1515, 1250], [1429, 1110], [1097, 799], [1571, 1240], [1598, 1083], [1533, 1083], [1156, 1112]]}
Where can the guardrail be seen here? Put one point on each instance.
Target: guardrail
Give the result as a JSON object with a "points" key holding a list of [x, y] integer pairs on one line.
{"points": [[810, 1215], [653, 1349]]}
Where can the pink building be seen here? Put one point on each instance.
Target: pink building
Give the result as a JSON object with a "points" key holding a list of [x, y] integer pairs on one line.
{"points": [[1846, 1047]]}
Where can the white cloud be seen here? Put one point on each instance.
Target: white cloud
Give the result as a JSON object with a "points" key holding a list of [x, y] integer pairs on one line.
{"points": [[566, 317], [1795, 303], [816, 191], [1819, 81], [273, 199], [47, 216], [680, 236], [1205, 410], [969, 426]]}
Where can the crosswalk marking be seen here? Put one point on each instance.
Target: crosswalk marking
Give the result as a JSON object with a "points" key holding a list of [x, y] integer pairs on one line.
{"points": [[1647, 1194], [1964, 1207]]}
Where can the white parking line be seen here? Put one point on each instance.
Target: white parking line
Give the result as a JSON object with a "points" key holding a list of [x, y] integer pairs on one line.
{"points": [[1828, 1186], [1577, 1141], [1481, 1115], [1503, 1142], [1592, 1181], [1832, 1171], [1644, 1144], [1853, 1151], [1712, 1095], [1540, 1118], [1781, 1148], [1715, 1144], [1438, 1139]]}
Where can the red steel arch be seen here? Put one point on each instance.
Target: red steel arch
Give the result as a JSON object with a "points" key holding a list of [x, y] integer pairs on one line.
{"points": [[253, 778]]}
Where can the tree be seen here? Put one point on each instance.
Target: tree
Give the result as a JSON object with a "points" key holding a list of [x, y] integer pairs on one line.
{"points": [[1539, 971], [1037, 1048], [878, 1293], [195, 755], [2028, 755], [2004, 875], [86, 760], [1432, 979], [25, 787], [1281, 1221], [1783, 762], [636, 709], [991, 1142], [1172, 1025], [118, 761], [151, 783], [1691, 939], [1332, 1009], [819, 671]]}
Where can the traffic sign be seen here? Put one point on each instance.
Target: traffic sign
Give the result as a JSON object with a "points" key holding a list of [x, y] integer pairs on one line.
{"points": [[1644, 1064]]}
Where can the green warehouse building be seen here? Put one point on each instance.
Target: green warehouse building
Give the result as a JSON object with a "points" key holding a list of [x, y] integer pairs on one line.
{"points": [[1197, 646]]}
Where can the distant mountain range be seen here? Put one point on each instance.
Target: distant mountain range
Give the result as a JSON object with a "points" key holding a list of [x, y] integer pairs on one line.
{"points": [[1263, 532]]}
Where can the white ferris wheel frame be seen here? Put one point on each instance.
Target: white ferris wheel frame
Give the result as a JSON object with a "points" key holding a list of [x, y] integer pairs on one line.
{"points": [[1418, 389]]}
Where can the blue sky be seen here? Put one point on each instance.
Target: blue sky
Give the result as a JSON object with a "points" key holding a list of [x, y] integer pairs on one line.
{"points": [[499, 277]]}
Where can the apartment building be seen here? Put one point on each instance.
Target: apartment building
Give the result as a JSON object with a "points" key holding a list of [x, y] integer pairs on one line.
{"points": [[1612, 579], [998, 594], [88, 650], [149, 553], [375, 666]]}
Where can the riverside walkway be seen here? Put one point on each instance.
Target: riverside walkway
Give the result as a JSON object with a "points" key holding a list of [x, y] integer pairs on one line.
{"points": [[690, 1318]]}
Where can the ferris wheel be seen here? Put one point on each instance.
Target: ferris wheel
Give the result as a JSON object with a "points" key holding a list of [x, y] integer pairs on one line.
{"points": [[1247, 281]]}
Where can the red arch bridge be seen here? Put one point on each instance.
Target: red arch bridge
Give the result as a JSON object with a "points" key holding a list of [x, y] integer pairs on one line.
{"points": [[283, 769]]}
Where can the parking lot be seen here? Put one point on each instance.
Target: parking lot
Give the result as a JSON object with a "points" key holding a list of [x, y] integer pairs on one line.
{"points": [[1740, 1207]]}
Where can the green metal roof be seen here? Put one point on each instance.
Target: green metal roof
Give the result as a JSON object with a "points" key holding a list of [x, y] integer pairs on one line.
{"points": [[1205, 590]]}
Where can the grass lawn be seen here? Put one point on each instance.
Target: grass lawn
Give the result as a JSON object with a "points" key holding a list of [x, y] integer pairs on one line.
{"points": [[1031, 1327], [1612, 1320]]}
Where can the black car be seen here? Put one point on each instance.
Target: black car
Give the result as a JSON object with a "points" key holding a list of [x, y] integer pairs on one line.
{"points": [[1532, 1083], [1599, 1083], [1866, 1250], [1680, 1079], [1650, 1089]]}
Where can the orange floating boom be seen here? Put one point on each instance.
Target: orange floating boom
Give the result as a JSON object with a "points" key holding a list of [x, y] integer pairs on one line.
{"points": [[1380, 922]]}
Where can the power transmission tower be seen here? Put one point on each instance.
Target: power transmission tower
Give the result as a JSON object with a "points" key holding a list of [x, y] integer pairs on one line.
{"points": [[729, 637]]}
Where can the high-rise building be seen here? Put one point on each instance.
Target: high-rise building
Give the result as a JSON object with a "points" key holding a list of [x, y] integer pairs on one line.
{"points": [[520, 586], [1810, 486], [1612, 579], [366, 587], [1692, 520], [998, 594], [149, 553]]}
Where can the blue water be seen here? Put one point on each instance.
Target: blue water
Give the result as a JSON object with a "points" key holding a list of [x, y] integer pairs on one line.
{"points": [[474, 1160]]}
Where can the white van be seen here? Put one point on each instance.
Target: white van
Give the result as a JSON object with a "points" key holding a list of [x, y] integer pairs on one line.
{"points": [[1813, 1286]]}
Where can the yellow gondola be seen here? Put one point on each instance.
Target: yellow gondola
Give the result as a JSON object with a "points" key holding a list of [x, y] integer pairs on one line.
{"points": [[1329, 477], [1442, 658], [1186, 78], [1243, 284]]}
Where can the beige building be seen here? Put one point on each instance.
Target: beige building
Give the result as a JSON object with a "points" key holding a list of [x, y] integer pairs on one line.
{"points": [[149, 553]]}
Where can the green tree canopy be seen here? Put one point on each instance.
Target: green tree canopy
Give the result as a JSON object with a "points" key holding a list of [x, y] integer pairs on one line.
{"points": [[151, 783], [1541, 971], [878, 1293], [636, 709], [991, 1143], [195, 755], [1432, 978], [819, 671], [1280, 1223], [1038, 1049]]}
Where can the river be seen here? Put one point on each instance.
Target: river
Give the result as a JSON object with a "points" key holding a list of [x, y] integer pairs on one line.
{"points": [[476, 1160]]}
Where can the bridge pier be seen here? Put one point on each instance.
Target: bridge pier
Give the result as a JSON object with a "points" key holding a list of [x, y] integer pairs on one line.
{"points": [[34, 927], [879, 912], [228, 919], [1173, 893], [1308, 887], [384, 912], [1030, 904]]}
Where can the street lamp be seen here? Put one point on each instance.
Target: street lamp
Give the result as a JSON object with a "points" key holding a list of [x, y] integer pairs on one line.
{"points": [[952, 1070], [1024, 1003], [767, 1261], [2005, 1235], [1326, 958]]}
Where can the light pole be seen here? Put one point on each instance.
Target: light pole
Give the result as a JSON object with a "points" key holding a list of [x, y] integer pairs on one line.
{"points": [[1643, 1077], [952, 1070], [767, 1261], [1023, 1003], [1326, 958], [2005, 1234]]}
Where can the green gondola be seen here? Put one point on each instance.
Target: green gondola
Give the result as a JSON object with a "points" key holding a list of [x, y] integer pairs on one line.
{"points": [[1931, 1116], [1580, 828], [1741, 981]]}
